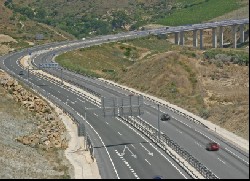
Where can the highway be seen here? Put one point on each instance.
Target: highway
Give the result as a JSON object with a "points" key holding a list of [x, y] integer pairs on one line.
{"points": [[121, 151]]}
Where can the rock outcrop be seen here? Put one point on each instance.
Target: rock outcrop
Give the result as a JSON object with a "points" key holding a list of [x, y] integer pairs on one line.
{"points": [[50, 132]]}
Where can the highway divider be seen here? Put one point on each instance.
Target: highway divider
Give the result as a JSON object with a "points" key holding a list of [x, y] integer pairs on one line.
{"points": [[169, 106], [166, 144]]}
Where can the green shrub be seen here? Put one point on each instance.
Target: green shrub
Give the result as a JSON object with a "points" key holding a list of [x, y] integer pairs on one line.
{"points": [[204, 113]]}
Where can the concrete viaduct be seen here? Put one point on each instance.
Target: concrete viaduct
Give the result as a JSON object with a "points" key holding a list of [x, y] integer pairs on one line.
{"points": [[179, 32]]}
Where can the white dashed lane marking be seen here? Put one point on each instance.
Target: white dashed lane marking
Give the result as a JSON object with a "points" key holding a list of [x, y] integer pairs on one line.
{"points": [[221, 161], [147, 161]]}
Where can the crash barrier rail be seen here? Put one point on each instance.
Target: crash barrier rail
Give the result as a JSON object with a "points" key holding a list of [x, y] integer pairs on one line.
{"points": [[59, 83], [90, 146], [139, 124], [74, 83], [162, 104], [68, 81], [80, 126], [146, 97], [152, 133], [166, 140]]}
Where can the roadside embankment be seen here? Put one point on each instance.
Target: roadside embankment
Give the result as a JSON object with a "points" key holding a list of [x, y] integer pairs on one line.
{"points": [[37, 139]]}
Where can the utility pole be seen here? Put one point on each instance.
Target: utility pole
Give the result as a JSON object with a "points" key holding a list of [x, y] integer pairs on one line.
{"points": [[159, 133], [85, 125], [61, 77]]}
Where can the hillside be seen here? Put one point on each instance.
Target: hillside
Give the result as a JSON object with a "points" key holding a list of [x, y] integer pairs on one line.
{"points": [[27, 138], [16, 31], [90, 18], [211, 84]]}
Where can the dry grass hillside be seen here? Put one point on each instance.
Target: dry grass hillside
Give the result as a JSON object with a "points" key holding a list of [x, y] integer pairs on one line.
{"points": [[179, 75], [189, 83]]}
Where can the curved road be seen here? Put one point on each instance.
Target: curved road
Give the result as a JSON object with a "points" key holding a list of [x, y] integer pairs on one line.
{"points": [[121, 151]]}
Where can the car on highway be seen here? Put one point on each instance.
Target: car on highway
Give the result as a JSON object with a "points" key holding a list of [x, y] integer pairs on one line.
{"points": [[158, 177], [165, 117], [21, 73], [212, 146]]}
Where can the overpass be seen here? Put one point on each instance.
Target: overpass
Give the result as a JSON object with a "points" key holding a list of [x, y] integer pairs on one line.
{"points": [[179, 31]]}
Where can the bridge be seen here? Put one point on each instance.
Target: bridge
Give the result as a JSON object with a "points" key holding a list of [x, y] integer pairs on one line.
{"points": [[179, 31]]}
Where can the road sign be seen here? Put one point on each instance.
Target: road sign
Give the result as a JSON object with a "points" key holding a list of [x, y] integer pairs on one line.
{"points": [[123, 106], [48, 65], [131, 110]]}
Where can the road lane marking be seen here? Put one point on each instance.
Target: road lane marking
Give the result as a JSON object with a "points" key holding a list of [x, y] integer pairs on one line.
{"points": [[104, 146], [237, 156], [95, 114], [147, 161], [221, 161], [106, 122], [150, 153], [81, 100], [119, 133], [178, 131], [198, 144], [152, 146], [133, 146], [127, 164]]}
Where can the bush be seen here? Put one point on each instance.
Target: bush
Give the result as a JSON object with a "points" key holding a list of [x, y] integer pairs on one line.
{"points": [[204, 113], [219, 63]]}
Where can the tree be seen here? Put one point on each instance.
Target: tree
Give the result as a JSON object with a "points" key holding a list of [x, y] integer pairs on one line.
{"points": [[120, 19], [41, 14]]}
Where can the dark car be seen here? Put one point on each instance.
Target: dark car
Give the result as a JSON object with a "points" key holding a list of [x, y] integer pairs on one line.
{"points": [[212, 146], [158, 177], [21, 73], [165, 117]]}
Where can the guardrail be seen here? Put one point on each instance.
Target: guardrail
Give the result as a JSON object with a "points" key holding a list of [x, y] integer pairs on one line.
{"points": [[157, 102], [65, 86], [152, 133], [74, 83], [139, 124], [164, 140]]}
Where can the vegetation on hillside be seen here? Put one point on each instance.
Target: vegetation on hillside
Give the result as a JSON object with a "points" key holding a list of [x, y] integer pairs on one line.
{"points": [[90, 18], [197, 11], [25, 31], [173, 73]]}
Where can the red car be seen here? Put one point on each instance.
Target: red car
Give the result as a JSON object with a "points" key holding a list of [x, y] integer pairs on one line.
{"points": [[212, 146]]}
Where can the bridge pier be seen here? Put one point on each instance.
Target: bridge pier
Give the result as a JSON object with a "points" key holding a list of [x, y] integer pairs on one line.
{"points": [[176, 38], [242, 38], [214, 41], [201, 39], [194, 38], [234, 36], [182, 38], [221, 36], [216, 28]]}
